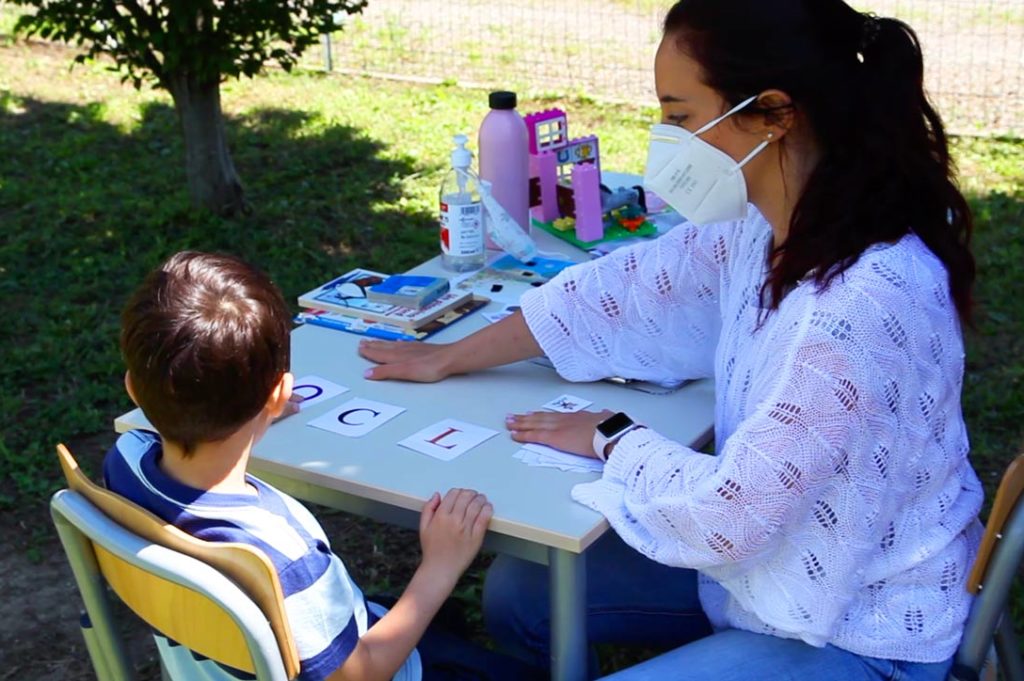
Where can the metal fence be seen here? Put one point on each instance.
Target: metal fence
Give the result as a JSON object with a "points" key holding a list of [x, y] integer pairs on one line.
{"points": [[974, 49]]}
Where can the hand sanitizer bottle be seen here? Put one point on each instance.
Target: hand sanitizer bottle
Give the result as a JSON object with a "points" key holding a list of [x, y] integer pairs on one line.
{"points": [[462, 227]]}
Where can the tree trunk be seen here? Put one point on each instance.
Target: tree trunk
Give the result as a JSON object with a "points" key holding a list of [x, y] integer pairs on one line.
{"points": [[213, 182]]}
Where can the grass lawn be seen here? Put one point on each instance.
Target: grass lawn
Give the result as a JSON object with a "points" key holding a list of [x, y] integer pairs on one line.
{"points": [[341, 172]]}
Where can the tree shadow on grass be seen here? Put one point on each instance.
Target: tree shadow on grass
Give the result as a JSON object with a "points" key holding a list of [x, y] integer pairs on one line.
{"points": [[86, 209]]}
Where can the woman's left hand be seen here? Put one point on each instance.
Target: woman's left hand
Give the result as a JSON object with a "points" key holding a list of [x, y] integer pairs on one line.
{"points": [[568, 432]]}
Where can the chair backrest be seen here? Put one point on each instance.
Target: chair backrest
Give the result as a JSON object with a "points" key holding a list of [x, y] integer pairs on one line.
{"points": [[178, 612], [1007, 496], [998, 561]]}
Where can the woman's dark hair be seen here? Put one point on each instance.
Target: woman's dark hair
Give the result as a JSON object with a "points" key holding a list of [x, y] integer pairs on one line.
{"points": [[206, 339], [857, 80]]}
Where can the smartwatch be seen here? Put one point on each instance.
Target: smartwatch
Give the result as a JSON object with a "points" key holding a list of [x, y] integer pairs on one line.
{"points": [[611, 430]]}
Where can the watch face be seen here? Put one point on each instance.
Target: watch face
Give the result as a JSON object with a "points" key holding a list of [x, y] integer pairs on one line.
{"points": [[614, 424]]}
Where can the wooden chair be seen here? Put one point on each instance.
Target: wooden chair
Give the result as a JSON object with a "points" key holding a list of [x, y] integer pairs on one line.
{"points": [[999, 559], [220, 600]]}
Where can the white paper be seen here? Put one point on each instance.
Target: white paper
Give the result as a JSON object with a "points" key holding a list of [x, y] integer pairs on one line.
{"points": [[495, 317], [548, 457], [316, 389], [567, 404], [447, 439], [357, 417]]}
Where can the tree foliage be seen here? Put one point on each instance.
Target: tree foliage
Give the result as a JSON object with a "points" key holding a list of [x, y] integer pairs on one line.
{"points": [[205, 40], [188, 47]]}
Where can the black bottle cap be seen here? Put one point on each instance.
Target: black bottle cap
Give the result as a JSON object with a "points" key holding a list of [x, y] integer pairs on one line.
{"points": [[502, 99]]}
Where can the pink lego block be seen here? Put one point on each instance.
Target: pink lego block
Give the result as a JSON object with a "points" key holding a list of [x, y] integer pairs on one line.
{"points": [[544, 167], [586, 190], [558, 134]]}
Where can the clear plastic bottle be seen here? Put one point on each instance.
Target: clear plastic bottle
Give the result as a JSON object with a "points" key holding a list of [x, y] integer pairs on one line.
{"points": [[505, 158], [503, 230], [462, 224]]}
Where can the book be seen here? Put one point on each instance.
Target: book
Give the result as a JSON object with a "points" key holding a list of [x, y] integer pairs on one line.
{"points": [[346, 295], [385, 331], [409, 290]]}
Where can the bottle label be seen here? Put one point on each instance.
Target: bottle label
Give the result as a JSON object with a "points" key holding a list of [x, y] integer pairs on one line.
{"points": [[462, 230]]}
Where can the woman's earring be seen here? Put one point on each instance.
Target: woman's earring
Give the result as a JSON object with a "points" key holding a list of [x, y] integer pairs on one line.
{"points": [[771, 136]]}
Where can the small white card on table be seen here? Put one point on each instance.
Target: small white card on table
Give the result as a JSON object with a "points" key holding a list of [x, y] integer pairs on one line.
{"points": [[567, 404], [315, 389], [447, 439], [357, 417]]}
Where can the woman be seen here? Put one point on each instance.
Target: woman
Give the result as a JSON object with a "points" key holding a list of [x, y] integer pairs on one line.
{"points": [[832, 533]]}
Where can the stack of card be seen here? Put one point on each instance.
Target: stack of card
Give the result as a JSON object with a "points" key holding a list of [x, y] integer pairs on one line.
{"points": [[408, 290], [549, 457]]}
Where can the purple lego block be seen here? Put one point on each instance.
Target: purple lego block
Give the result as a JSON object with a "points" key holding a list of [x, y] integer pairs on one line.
{"points": [[548, 129], [544, 167], [586, 187]]}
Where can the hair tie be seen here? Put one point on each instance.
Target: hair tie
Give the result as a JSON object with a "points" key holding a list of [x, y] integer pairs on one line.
{"points": [[868, 33]]}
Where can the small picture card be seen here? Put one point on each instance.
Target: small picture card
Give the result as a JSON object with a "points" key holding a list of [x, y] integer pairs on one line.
{"points": [[495, 317], [357, 417], [315, 389], [447, 439], [567, 404]]}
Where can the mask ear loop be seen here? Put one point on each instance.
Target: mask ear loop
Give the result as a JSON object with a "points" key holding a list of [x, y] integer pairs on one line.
{"points": [[754, 152], [707, 126]]}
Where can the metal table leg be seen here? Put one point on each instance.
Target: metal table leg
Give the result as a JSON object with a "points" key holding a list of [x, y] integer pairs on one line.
{"points": [[568, 577]]}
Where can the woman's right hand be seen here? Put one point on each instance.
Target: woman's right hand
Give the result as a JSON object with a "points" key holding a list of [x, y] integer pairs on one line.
{"points": [[406, 361], [452, 530]]}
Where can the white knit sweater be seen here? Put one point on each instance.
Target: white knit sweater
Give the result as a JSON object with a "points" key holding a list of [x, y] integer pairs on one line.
{"points": [[841, 507]]}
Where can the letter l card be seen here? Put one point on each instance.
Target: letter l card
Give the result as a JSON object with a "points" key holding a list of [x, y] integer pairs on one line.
{"points": [[447, 439]]}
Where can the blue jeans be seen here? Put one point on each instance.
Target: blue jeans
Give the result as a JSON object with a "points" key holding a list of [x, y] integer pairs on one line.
{"points": [[632, 600]]}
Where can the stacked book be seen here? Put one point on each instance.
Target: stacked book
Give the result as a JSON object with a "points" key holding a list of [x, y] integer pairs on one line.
{"points": [[394, 308]]}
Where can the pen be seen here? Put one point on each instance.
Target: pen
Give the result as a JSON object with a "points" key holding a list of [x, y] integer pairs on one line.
{"points": [[342, 326]]}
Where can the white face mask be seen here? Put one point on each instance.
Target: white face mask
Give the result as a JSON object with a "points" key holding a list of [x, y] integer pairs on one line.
{"points": [[699, 180]]}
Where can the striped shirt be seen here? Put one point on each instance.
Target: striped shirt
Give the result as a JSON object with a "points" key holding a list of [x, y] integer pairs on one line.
{"points": [[325, 608]]}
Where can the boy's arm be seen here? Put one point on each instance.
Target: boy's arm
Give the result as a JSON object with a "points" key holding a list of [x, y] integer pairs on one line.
{"points": [[451, 531]]}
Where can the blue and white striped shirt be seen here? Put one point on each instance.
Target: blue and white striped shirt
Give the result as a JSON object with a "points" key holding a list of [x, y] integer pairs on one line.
{"points": [[325, 608]]}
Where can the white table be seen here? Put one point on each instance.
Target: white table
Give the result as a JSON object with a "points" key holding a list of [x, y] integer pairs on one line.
{"points": [[534, 516]]}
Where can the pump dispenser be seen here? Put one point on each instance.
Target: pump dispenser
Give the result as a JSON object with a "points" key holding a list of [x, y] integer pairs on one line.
{"points": [[462, 229]]}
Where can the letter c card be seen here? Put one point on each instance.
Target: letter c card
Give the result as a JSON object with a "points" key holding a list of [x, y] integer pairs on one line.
{"points": [[447, 439], [357, 417]]}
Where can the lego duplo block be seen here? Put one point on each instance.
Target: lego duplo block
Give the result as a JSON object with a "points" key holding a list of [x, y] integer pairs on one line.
{"points": [[586, 185], [544, 167]]}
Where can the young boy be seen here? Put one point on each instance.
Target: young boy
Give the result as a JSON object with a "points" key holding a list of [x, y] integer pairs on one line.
{"points": [[206, 343]]}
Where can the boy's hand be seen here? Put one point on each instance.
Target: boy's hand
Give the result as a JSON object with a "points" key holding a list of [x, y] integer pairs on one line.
{"points": [[452, 530]]}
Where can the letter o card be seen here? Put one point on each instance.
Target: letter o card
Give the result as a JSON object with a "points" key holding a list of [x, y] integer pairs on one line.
{"points": [[447, 439], [357, 417], [316, 389]]}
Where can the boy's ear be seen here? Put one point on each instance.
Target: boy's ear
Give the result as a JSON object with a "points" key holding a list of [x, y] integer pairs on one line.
{"points": [[128, 387], [280, 395]]}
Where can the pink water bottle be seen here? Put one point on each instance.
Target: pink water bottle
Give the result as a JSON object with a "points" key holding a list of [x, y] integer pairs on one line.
{"points": [[504, 158]]}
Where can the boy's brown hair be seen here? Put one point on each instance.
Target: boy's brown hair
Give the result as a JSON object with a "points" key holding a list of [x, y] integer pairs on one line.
{"points": [[205, 339]]}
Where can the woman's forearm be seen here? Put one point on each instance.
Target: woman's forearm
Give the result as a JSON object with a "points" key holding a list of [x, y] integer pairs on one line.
{"points": [[507, 341]]}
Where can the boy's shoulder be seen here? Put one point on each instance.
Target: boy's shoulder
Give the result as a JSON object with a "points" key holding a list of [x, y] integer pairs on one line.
{"points": [[267, 518]]}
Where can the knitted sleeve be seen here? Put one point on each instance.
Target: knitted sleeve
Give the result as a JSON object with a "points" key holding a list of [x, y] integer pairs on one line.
{"points": [[649, 312], [814, 408]]}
